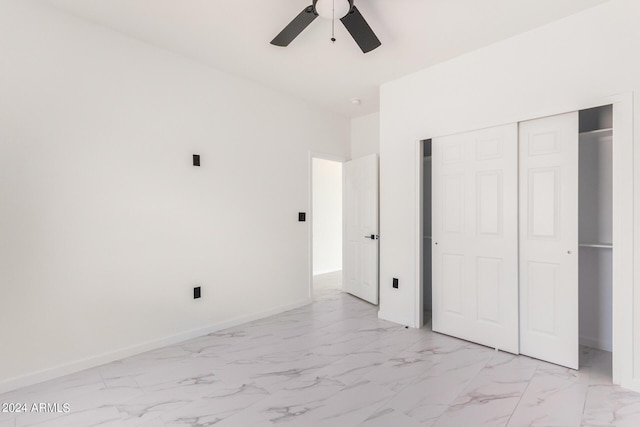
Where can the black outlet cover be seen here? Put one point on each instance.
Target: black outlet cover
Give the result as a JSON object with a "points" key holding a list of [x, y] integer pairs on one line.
{"points": [[196, 292], [395, 283], [196, 160], [302, 216]]}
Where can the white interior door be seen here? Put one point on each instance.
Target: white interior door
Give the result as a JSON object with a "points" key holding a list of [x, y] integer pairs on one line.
{"points": [[549, 239], [360, 271], [475, 236]]}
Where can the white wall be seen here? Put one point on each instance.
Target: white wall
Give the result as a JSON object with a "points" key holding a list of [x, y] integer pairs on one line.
{"points": [[570, 63], [365, 135], [327, 216], [105, 226]]}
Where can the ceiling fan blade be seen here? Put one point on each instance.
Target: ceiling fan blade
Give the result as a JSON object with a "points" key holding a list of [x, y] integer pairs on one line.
{"points": [[360, 30], [295, 27]]}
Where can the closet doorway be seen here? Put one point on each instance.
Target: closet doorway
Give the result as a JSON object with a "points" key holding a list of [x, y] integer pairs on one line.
{"points": [[603, 193], [596, 227], [565, 239]]}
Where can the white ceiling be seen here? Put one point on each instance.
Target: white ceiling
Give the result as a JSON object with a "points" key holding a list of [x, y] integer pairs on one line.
{"points": [[234, 36]]}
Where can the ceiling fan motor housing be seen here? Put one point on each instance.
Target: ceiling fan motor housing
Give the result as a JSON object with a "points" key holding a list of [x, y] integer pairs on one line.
{"points": [[332, 9]]}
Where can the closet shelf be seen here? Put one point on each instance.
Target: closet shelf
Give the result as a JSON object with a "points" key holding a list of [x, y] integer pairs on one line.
{"points": [[596, 134], [596, 245]]}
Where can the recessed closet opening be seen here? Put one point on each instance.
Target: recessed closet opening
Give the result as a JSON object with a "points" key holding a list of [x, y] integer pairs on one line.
{"points": [[526, 270], [525, 239], [426, 233], [595, 235]]}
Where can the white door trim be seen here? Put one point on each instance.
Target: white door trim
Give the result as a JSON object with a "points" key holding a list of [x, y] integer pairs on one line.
{"points": [[625, 259], [323, 156], [624, 256]]}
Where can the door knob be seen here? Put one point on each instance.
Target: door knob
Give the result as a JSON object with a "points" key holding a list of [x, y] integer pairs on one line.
{"points": [[569, 252], [372, 237]]}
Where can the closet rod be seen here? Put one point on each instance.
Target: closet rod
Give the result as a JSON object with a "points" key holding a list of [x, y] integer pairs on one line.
{"points": [[596, 245], [597, 131]]}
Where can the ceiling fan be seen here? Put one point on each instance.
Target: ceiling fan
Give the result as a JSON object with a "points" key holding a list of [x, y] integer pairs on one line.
{"points": [[344, 10]]}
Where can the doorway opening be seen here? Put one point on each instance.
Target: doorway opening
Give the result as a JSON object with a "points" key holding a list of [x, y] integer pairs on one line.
{"points": [[326, 219]]}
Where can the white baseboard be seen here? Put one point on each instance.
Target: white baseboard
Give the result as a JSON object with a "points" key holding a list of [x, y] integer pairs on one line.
{"points": [[101, 359], [633, 385], [595, 343], [395, 319]]}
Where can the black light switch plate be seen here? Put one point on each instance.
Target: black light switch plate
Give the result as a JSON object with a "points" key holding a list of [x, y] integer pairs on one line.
{"points": [[302, 216], [196, 292], [395, 283], [196, 160]]}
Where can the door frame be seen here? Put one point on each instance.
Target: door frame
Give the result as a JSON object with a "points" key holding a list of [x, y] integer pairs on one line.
{"points": [[624, 258], [322, 156]]}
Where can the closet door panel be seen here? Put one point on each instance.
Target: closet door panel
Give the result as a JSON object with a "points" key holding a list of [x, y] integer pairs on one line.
{"points": [[453, 282], [453, 203], [475, 279], [489, 212], [549, 239], [543, 203], [488, 284]]}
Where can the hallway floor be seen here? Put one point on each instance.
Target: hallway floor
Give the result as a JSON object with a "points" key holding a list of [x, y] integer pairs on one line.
{"points": [[332, 363]]}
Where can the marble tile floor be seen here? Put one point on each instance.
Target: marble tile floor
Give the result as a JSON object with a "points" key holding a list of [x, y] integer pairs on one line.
{"points": [[326, 283], [332, 363]]}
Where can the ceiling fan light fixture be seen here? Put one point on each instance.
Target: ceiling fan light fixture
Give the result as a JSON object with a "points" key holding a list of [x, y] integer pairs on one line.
{"points": [[332, 9]]}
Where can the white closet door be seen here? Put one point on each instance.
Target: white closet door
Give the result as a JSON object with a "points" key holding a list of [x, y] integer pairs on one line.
{"points": [[360, 204], [549, 239], [475, 236]]}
